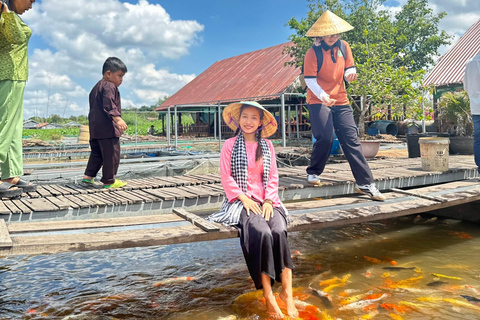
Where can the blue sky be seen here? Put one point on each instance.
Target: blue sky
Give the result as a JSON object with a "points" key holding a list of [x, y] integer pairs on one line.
{"points": [[165, 44]]}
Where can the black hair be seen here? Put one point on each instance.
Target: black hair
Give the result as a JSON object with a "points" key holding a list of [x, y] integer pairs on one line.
{"points": [[258, 135], [113, 64]]}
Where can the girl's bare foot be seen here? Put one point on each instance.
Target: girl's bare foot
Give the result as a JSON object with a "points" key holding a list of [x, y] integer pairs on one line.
{"points": [[288, 300], [273, 310]]}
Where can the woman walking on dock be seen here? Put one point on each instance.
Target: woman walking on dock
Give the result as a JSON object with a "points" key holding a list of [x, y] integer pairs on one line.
{"points": [[249, 176], [14, 37]]}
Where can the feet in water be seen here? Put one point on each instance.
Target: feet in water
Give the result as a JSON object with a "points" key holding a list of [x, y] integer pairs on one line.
{"points": [[273, 310], [292, 311]]}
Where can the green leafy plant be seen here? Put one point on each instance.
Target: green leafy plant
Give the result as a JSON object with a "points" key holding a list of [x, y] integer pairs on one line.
{"points": [[454, 109]]}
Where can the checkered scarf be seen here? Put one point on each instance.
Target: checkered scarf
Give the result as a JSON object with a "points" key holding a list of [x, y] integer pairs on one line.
{"points": [[229, 214]]}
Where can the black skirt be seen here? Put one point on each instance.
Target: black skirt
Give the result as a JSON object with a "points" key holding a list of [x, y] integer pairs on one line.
{"points": [[264, 245]]}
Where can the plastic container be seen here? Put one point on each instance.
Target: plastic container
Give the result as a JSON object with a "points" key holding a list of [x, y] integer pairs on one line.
{"points": [[434, 153], [385, 127], [412, 142], [335, 146]]}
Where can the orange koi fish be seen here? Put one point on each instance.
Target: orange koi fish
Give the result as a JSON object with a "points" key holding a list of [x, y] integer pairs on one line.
{"points": [[388, 259], [372, 260], [370, 307], [174, 280], [461, 235], [391, 306]]}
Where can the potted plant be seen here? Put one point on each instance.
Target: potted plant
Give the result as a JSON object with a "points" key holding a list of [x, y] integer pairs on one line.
{"points": [[455, 118]]}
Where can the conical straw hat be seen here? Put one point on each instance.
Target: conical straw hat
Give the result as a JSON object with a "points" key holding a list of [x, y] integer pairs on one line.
{"points": [[231, 116], [328, 23]]}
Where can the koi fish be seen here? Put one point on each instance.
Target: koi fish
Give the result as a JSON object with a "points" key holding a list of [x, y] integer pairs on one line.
{"points": [[351, 299], [462, 304], [437, 283], [388, 259], [372, 260], [462, 235], [362, 303], [369, 316], [329, 282], [391, 306], [398, 268], [430, 299], [370, 307], [395, 316], [470, 299], [414, 306], [438, 275], [386, 275], [174, 280], [408, 282], [322, 296]]}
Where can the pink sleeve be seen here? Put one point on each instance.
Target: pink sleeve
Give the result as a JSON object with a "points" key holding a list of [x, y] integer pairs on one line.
{"points": [[232, 191], [272, 188]]}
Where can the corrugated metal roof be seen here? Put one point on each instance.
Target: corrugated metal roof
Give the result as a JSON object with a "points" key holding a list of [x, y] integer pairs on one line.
{"points": [[254, 74], [451, 67]]}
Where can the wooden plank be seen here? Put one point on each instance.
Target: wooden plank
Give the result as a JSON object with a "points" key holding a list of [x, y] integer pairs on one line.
{"points": [[39, 204], [116, 195], [198, 191], [4, 209], [5, 240], [112, 240], [423, 196], [43, 192], [33, 194], [61, 205], [67, 201], [148, 198], [77, 200], [160, 193], [132, 196], [102, 199], [52, 190], [76, 188], [196, 220], [23, 208], [45, 226], [11, 206]]}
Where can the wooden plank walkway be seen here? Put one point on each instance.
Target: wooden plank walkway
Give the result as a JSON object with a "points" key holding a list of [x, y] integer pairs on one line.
{"points": [[204, 192], [183, 226]]}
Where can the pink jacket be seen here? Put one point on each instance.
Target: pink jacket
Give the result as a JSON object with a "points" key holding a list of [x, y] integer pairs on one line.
{"points": [[255, 188]]}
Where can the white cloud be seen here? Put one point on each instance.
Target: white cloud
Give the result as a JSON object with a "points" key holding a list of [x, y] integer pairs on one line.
{"points": [[77, 36]]}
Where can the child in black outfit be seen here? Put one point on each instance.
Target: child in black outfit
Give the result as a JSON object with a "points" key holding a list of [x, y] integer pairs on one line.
{"points": [[106, 125]]}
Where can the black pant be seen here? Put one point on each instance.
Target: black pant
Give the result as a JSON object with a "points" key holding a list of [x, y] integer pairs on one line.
{"points": [[264, 245], [106, 153], [323, 120]]}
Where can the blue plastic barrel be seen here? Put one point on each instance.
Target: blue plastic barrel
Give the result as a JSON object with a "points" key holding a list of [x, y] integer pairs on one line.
{"points": [[385, 127], [335, 146]]}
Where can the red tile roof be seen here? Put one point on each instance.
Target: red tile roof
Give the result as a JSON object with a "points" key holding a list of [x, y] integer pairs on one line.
{"points": [[254, 74], [451, 67]]}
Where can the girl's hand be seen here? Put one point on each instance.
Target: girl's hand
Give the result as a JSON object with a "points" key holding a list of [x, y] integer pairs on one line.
{"points": [[267, 209], [250, 205]]}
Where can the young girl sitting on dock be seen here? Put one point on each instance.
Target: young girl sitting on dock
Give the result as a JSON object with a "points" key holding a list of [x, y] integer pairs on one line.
{"points": [[249, 176]]}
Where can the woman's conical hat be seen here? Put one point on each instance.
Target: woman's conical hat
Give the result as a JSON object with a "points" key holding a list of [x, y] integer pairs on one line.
{"points": [[328, 23], [231, 116]]}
